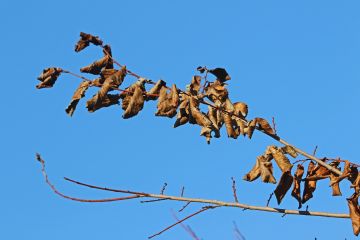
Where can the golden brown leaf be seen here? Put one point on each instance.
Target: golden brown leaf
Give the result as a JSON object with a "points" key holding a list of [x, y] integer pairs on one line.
{"points": [[136, 103], [263, 168], [96, 67], [335, 185], [289, 150], [354, 211], [216, 92], [254, 172], [281, 160], [199, 117], [48, 77], [183, 114], [155, 90], [168, 102], [296, 192], [79, 93], [85, 40], [310, 185], [102, 98], [195, 85], [284, 185], [240, 109]]}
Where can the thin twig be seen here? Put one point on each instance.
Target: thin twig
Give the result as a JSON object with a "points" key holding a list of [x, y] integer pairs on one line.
{"points": [[268, 201], [182, 220], [163, 189], [234, 189], [182, 191], [314, 152], [219, 203], [182, 209], [187, 228]]}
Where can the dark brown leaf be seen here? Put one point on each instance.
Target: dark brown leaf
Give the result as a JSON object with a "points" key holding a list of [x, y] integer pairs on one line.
{"points": [[284, 185], [296, 192], [220, 74], [354, 211], [85, 40], [136, 103], [105, 101], [310, 185], [79, 93], [48, 77], [168, 102]]}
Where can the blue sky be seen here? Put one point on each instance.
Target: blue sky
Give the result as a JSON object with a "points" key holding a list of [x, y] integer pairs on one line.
{"points": [[295, 61]]}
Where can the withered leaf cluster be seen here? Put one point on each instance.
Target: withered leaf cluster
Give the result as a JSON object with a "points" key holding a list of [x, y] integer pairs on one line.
{"points": [[48, 77], [85, 40]]}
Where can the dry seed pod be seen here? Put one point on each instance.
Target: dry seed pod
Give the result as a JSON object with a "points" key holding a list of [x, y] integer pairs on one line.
{"points": [[354, 212], [284, 185], [85, 40], [48, 77], [296, 192], [79, 93]]}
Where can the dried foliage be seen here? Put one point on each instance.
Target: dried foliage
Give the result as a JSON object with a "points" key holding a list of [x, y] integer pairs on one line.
{"points": [[221, 111]]}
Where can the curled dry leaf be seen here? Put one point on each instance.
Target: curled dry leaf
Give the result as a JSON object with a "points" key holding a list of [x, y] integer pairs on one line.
{"points": [[287, 149], [136, 103], [296, 192], [85, 40], [155, 90], [262, 124], [183, 114], [263, 168], [168, 102], [96, 67], [354, 211], [281, 160], [216, 92], [220, 74], [310, 185], [79, 93], [240, 109], [284, 185], [195, 85], [48, 77]]}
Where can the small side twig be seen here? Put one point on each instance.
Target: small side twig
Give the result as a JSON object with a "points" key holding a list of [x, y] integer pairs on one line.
{"points": [[314, 152], [163, 189], [234, 189], [268, 201], [154, 200], [203, 209], [187, 228], [182, 191], [187, 204]]}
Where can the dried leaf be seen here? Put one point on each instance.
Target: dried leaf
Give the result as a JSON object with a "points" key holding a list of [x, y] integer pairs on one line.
{"points": [[96, 67], [199, 117], [263, 168], [195, 85], [284, 185], [296, 192], [107, 52], [183, 114], [107, 72], [220, 74], [310, 185], [281, 160], [289, 150], [136, 103], [240, 109], [254, 172], [85, 40], [48, 77], [354, 211], [216, 92], [155, 90], [168, 102], [105, 101], [335, 185], [79, 93]]}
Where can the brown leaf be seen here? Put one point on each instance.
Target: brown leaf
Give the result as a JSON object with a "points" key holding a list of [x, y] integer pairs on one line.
{"points": [[220, 74], [79, 93], [48, 77], [296, 192], [354, 211], [85, 40], [155, 90], [136, 103], [96, 67], [335, 185], [183, 114], [199, 117], [310, 185], [240, 109], [254, 172], [281, 160], [284, 185], [230, 123], [289, 150], [105, 101], [107, 52], [195, 85], [216, 92], [263, 168], [168, 102]]}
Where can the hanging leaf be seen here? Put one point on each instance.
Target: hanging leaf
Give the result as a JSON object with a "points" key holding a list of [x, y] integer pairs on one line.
{"points": [[310, 185], [262, 124], [107, 72], [98, 102], [335, 185], [96, 67], [281, 160], [195, 85], [85, 40], [136, 103], [216, 92], [287, 149], [183, 114], [216, 119], [240, 109], [155, 90], [284, 185], [220, 74], [79, 93], [296, 192], [263, 168], [107, 52], [48, 77], [354, 211], [168, 102], [254, 172]]}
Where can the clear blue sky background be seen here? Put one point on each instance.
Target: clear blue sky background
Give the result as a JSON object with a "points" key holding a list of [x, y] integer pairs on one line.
{"points": [[295, 60]]}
